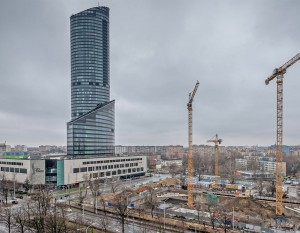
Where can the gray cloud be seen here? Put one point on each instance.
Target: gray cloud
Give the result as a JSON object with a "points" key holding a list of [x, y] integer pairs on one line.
{"points": [[158, 51]]}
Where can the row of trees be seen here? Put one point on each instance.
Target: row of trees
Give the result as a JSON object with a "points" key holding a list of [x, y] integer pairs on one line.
{"points": [[38, 215], [204, 165]]}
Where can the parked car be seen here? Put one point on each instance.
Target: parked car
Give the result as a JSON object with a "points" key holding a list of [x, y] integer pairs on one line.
{"points": [[14, 202]]}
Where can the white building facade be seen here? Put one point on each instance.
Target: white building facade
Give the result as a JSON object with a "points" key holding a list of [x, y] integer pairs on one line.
{"points": [[62, 171]]}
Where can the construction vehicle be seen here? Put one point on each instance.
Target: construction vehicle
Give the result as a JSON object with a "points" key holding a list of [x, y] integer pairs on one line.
{"points": [[217, 141], [190, 150], [278, 73]]}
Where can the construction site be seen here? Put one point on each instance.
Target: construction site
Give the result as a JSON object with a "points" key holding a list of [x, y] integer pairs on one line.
{"points": [[208, 203]]}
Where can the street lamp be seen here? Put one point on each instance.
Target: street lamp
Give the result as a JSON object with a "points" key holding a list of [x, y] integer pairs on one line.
{"points": [[96, 201], [232, 217], [165, 213], [127, 211]]}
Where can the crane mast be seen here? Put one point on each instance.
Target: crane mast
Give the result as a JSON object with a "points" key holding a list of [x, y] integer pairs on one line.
{"points": [[278, 73], [190, 149], [217, 141]]}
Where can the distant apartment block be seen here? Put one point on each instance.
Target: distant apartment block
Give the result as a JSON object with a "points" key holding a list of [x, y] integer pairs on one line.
{"points": [[171, 151], [285, 149], [202, 150], [20, 148], [295, 150], [258, 164], [175, 152], [271, 166], [4, 147]]}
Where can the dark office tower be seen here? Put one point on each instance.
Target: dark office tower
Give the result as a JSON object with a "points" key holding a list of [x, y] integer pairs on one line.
{"points": [[91, 130], [89, 59]]}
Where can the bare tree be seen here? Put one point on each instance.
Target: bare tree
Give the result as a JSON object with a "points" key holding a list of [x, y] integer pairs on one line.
{"points": [[174, 169], [104, 223], [159, 220], [199, 208], [78, 225], [40, 209], [120, 203], [95, 189], [7, 218], [114, 184], [198, 165], [56, 221], [22, 220], [260, 186], [151, 200], [212, 215], [271, 188], [83, 192], [103, 204], [223, 220], [292, 164], [26, 184], [6, 185], [253, 166]]}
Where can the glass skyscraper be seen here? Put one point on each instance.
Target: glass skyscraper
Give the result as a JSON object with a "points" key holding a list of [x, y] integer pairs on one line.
{"points": [[91, 130]]}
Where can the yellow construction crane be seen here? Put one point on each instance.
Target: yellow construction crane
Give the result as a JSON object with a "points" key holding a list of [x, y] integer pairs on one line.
{"points": [[278, 73], [217, 141], [190, 151]]}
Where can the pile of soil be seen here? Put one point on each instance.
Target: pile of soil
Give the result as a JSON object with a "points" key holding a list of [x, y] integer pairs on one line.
{"points": [[248, 206]]}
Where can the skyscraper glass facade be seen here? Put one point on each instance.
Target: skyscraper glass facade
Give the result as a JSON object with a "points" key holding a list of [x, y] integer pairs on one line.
{"points": [[91, 130], [89, 60], [92, 134]]}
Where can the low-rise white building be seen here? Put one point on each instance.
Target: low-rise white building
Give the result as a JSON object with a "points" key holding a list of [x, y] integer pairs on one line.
{"points": [[65, 171], [167, 163]]}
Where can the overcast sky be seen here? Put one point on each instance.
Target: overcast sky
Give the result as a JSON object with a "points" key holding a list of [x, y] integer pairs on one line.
{"points": [[158, 50]]}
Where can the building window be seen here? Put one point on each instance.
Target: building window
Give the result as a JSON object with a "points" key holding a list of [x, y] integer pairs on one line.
{"points": [[23, 170], [75, 170], [83, 169], [107, 173]]}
